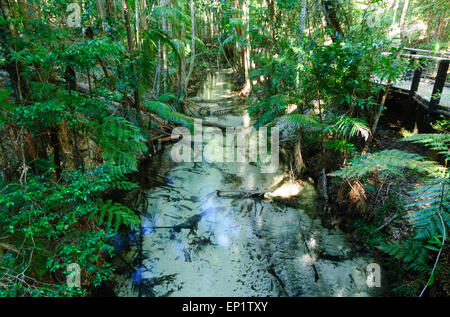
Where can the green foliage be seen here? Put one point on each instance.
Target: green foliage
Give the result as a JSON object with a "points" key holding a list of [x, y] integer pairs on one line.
{"points": [[439, 142], [387, 162], [121, 142], [343, 146], [429, 203], [429, 199], [350, 127], [266, 111], [167, 113], [50, 221], [308, 121], [113, 214], [411, 252]]}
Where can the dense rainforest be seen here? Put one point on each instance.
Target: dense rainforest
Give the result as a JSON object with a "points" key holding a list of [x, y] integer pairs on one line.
{"points": [[92, 90]]}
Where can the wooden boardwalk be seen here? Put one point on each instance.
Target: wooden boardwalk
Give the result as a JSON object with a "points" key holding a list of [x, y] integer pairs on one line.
{"points": [[431, 93], [425, 90]]}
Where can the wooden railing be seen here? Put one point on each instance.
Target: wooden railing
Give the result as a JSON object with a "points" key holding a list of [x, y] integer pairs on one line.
{"points": [[433, 105]]}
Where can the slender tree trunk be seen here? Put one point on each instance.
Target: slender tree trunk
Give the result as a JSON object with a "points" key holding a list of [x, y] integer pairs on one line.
{"points": [[402, 20], [191, 65], [136, 22], [164, 50], [376, 120], [143, 18], [54, 140], [246, 48], [182, 77], [395, 13], [131, 53], [157, 80], [301, 31], [109, 10]]}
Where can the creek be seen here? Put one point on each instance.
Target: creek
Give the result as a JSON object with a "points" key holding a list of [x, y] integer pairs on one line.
{"points": [[194, 242]]}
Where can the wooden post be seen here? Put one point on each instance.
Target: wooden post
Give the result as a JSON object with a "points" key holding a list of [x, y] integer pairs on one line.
{"points": [[415, 81], [411, 63], [439, 83]]}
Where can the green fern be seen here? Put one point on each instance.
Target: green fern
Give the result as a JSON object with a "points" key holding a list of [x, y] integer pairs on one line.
{"points": [[429, 199], [266, 111], [112, 215], [388, 162], [350, 127], [439, 142], [308, 121], [167, 113], [121, 142], [410, 251]]}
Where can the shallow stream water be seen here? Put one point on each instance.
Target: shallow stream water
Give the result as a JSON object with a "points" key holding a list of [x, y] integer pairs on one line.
{"points": [[234, 246]]}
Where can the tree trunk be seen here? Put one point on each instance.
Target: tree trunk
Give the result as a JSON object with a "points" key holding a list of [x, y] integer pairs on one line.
{"points": [[191, 65], [56, 150], [136, 22], [330, 8], [182, 77], [301, 31], [395, 13], [164, 50], [376, 120], [246, 48], [402, 20], [131, 53]]}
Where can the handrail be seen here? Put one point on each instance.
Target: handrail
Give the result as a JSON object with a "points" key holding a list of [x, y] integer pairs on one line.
{"points": [[419, 50], [415, 56]]}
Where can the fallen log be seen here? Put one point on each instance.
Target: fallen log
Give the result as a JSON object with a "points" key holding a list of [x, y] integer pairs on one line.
{"points": [[387, 223], [262, 195], [243, 193], [205, 123]]}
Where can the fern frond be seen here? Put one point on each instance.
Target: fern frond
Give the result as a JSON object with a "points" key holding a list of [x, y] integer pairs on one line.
{"points": [[388, 161], [410, 252], [303, 120], [350, 127], [112, 215], [165, 112], [121, 141], [428, 200], [439, 142]]}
